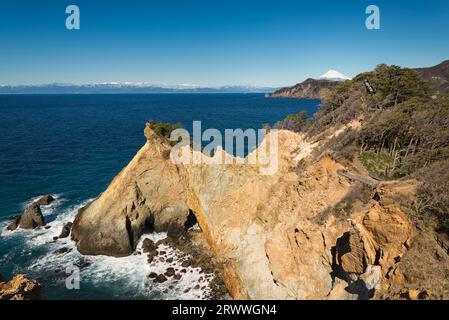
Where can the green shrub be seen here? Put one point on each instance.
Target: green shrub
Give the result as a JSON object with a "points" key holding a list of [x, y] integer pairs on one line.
{"points": [[378, 165], [164, 129], [166, 154], [293, 122]]}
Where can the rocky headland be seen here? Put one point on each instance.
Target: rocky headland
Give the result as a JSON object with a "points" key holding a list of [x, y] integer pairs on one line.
{"points": [[308, 89], [19, 288]]}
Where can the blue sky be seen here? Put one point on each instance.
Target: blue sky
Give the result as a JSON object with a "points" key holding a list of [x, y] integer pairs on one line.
{"points": [[214, 42]]}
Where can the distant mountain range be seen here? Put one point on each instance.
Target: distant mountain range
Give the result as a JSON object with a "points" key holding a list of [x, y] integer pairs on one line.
{"points": [[126, 88], [309, 89], [438, 75]]}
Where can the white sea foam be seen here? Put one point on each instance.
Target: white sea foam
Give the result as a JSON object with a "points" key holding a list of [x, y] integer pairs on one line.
{"points": [[131, 272]]}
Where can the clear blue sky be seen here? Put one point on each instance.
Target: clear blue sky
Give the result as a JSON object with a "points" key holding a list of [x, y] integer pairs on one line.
{"points": [[214, 42]]}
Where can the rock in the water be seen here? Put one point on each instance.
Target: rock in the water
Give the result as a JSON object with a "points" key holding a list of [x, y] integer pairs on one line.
{"points": [[63, 250], [177, 276], [148, 245], [170, 272], [14, 224], [65, 232], [84, 263], [20, 288], [160, 278], [32, 217], [45, 200], [186, 263], [152, 275]]}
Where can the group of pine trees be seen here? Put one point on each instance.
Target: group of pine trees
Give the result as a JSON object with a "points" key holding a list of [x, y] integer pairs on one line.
{"points": [[404, 133]]}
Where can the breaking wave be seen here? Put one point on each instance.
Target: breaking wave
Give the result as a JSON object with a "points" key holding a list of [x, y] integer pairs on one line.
{"points": [[36, 254]]}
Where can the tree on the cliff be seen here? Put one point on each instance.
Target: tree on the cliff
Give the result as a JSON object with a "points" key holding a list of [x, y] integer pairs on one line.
{"points": [[293, 122]]}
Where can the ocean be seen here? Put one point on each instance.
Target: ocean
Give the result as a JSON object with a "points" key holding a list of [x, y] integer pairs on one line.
{"points": [[71, 146]]}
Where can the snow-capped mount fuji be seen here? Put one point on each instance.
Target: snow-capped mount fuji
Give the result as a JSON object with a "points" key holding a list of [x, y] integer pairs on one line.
{"points": [[334, 75], [312, 88]]}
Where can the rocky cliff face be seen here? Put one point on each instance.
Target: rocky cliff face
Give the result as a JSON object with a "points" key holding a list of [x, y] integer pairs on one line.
{"points": [[148, 194], [19, 288], [309, 89], [279, 236]]}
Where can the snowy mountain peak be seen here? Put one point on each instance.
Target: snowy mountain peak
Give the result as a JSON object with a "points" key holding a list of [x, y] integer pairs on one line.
{"points": [[334, 75]]}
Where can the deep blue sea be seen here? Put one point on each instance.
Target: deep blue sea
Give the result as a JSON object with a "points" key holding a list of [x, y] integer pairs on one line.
{"points": [[71, 146]]}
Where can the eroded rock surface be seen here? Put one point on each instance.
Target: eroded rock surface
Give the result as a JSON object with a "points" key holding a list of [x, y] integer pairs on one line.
{"points": [[19, 288], [32, 217], [269, 230]]}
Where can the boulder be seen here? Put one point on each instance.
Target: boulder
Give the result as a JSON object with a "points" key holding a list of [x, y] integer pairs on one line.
{"points": [[170, 272], [355, 250], [63, 250], [186, 263], [390, 229], [65, 232], [84, 263], [160, 278], [32, 217], [177, 276], [45, 200], [152, 275], [14, 224], [20, 288]]}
